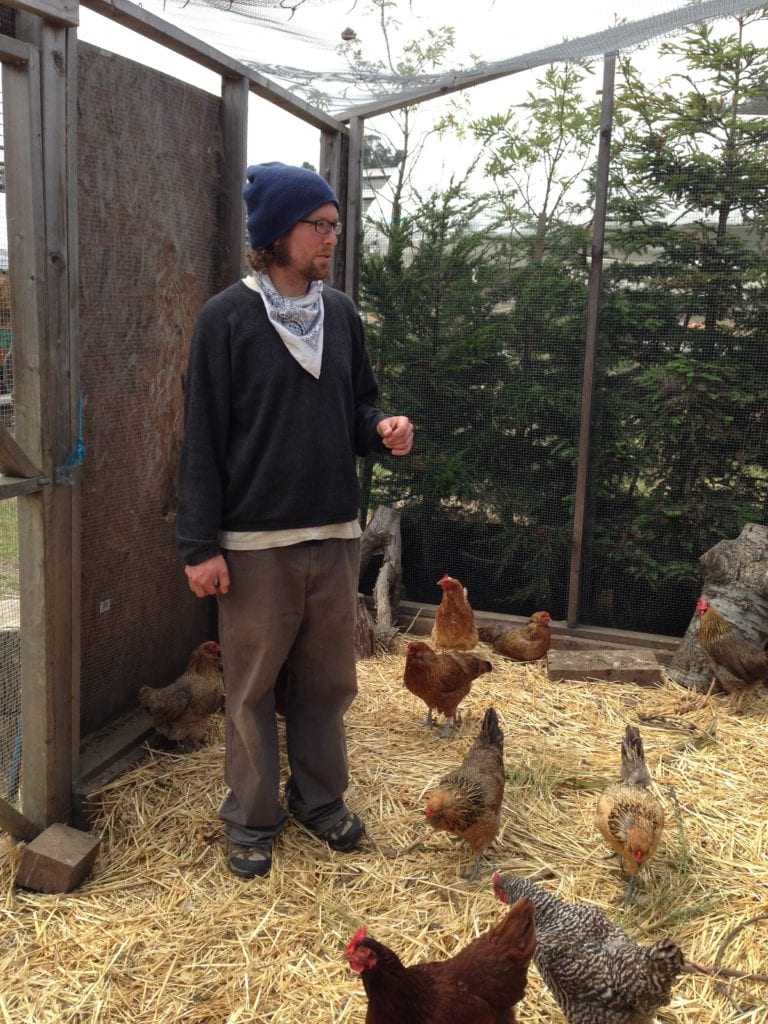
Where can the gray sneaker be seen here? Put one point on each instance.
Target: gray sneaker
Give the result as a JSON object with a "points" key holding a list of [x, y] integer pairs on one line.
{"points": [[249, 861], [345, 834]]}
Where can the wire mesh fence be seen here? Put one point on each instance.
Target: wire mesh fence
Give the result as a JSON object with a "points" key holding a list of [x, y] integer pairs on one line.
{"points": [[477, 299]]}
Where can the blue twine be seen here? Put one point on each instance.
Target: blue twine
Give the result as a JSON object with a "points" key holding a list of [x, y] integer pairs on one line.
{"points": [[77, 456]]}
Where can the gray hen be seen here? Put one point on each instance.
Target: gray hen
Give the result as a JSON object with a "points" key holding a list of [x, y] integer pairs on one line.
{"points": [[596, 973]]}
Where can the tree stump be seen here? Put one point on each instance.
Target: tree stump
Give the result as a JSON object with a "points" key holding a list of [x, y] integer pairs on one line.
{"points": [[735, 581], [365, 631], [383, 534]]}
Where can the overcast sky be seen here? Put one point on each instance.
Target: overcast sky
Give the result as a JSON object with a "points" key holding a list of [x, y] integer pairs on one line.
{"points": [[486, 30]]}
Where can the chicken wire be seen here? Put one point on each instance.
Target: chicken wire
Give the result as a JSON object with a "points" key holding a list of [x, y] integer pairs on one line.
{"points": [[10, 666], [148, 150], [490, 366], [505, 529]]}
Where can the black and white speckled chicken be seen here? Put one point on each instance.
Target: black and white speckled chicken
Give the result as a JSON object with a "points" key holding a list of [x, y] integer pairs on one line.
{"points": [[595, 972]]}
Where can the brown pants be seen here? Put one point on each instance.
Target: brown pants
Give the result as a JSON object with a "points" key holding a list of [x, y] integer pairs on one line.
{"points": [[295, 605]]}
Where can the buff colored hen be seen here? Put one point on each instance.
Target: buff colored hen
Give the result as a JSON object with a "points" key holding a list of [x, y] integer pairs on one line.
{"points": [[454, 628], [181, 710]]}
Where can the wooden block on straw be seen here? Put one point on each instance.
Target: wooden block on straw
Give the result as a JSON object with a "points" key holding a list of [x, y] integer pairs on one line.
{"points": [[57, 860], [623, 665]]}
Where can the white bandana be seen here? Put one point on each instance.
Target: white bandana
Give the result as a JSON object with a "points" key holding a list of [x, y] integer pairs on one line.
{"points": [[298, 321]]}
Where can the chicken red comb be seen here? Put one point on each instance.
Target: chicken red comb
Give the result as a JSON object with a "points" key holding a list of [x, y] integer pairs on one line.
{"points": [[702, 604], [356, 939]]}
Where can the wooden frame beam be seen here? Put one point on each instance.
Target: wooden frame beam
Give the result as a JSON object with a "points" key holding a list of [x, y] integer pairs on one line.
{"points": [[581, 498], [354, 208], [234, 125], [40, 144], [593, 45], [12, 51], [58, 12]]}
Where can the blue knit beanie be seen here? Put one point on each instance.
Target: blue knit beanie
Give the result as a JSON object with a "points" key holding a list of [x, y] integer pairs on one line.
{"points": [[278, 196]]}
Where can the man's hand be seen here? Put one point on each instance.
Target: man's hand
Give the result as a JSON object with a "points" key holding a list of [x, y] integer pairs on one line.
{"points": [[209, 577], [397, 434]]}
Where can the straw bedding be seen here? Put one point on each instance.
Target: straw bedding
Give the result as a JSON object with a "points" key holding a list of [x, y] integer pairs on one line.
{"points": [[162, 932]]}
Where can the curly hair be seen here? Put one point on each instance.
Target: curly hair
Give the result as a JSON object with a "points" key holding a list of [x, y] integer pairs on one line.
{"points": [[259, 260]]}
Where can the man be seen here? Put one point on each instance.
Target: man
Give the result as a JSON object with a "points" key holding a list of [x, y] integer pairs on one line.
{"points": [[279, 399]]}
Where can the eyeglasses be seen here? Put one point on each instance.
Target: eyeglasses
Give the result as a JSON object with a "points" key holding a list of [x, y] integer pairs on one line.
{"points": [[324, 227]]}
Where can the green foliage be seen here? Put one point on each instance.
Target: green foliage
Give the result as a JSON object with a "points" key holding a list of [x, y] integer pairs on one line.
{"points": [[478, 330]]}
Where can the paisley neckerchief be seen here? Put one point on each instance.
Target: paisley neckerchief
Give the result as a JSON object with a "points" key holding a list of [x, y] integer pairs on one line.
{"points": [[298, 321]]}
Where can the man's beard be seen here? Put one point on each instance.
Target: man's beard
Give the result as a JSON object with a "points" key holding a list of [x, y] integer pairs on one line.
{"points": [[309, 271]]}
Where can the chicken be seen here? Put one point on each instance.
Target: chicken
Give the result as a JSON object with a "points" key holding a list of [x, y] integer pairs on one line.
{"points": [[479, 985], [454, 628], [629, 816], [595, 972], [523, 643], [467, 801], [738, 665], [441, 680], [180, 711]]}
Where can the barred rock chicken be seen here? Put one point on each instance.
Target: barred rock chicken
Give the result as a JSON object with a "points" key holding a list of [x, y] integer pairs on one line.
{"points": [[441, 680], [521, 643], [595, 972], [629, 816], [467, 801], [738, 665], [454, 628], [479, 985], [180, 711]]}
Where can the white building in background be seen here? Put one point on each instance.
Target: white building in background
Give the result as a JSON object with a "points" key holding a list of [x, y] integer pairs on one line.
{"points": [[375, 194]]}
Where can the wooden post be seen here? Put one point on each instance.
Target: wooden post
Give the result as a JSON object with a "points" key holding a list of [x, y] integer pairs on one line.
{"points": [[590, 344], [234, 126], [334, 153], [40, 139], [353, 213]]}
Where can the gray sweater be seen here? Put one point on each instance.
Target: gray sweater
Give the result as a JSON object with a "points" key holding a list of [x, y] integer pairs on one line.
{"points": [[266, 445]]}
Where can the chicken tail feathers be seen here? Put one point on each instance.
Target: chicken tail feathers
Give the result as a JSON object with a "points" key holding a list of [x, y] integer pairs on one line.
{"points": [[668, 957], [634, 770], [490, 731]]}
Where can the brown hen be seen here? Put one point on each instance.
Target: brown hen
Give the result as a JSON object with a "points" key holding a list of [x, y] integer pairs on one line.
{"points": [[629, 817], [441, 680], [737, 664], [521, 643], [180, 711], [479, 985], [467, 801], [454, 628]]}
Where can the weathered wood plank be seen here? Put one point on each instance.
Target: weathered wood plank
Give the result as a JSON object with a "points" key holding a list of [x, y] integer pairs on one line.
{"points": [[620, 665], [419, 619], [353, 209], [12, 486], [44, 295], [12, 51], [57, 860], [60, 12], [334, 153], [14, 461], [15, 824], [234, 127]]}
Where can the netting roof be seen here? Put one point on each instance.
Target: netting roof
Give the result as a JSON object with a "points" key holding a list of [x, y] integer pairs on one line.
{"points": [[340, 53]]}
